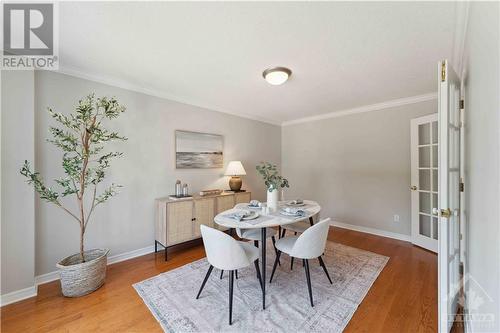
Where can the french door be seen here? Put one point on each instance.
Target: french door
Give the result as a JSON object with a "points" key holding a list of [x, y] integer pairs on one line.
{"points": [[424, 181], [449, 195]]}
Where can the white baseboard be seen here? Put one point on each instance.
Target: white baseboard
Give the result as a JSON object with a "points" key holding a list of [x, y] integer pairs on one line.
{"points": [[131, 254], [373, 231], [45, 278], [52, 276], [18, 295]]}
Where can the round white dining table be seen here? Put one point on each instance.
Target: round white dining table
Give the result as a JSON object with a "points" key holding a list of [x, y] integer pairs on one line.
{"points": [[271, 219]]}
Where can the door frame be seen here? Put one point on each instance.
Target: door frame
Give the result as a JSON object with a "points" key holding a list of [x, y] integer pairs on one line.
{"points": [[449, 281], [416, 238]]}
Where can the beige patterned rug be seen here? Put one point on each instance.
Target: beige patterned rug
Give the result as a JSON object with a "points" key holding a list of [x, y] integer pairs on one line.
{"points": [[171, 295]]}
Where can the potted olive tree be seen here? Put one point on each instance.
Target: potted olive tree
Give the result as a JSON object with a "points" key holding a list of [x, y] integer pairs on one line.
{"points": [[82, 139], [273, 181]]}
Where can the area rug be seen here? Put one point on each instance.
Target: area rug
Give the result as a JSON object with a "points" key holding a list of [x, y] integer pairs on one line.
{"points": [[170, 296]]}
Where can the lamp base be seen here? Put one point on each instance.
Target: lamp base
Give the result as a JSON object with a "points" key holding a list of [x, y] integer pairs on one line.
{"points": [[235, 183]]}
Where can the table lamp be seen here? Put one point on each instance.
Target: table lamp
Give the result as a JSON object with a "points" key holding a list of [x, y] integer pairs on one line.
{"points": [[235, 170]]}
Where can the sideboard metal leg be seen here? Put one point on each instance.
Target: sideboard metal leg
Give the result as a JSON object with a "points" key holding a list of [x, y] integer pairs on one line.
{"points": [[156, 246]]}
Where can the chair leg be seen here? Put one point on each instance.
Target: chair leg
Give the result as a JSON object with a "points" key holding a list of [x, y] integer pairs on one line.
{"points": [[231, 280], [236, 273], [257, 269], [221, 273], [308, 277], [275, 249], [283, 233], [291, 263], [322, 263], [256, 243], [279, 231], [205, 280], [258, 273], [275, 265]]}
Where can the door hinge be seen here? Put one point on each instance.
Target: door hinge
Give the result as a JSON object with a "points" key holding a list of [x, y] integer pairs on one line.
{"points": [[460, 236], [462, 104], [443, 71], [461, 187]]}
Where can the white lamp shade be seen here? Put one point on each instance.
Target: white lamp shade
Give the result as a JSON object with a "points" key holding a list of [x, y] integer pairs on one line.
{"points": [[235, 168]]}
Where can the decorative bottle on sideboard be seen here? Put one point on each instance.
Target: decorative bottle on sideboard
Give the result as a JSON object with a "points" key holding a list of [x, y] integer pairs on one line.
{"points": [[178, 188]]}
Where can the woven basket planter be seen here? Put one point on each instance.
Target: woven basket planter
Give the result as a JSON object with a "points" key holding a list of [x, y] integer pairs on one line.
{"points": [[78, 279]]}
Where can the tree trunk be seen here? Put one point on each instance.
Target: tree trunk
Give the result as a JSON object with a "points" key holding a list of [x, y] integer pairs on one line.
{"points": [[82, 231]]}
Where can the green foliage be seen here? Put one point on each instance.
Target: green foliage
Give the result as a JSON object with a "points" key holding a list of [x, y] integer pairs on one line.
{"points": [[46, 193], [271, 176], [82, 137]]}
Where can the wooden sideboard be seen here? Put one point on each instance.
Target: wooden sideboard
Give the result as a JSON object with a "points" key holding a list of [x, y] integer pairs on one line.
{"points": [[178, 220]]}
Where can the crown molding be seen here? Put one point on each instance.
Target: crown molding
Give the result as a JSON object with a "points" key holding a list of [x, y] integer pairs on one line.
{"points": [[365, 108], [118, 83]]}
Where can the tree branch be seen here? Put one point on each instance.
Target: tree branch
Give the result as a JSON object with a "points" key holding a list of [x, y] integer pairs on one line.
{"points": [[92, 207], [58, 204]]}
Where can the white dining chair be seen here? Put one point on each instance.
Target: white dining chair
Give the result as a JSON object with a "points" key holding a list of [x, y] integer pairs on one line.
{"points": [[309, 245], [226, 253], [255, 236], [296, 228]]}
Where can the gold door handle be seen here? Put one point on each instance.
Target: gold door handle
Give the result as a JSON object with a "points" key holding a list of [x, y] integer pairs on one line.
{"points": [[446, 213], [413, 188]]}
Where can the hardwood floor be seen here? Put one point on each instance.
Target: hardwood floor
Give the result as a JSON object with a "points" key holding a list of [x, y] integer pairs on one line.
{"points": [[402, 299]]}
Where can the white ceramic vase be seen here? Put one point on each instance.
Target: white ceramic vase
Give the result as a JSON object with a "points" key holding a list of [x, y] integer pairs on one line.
{"points": [[272, 199]]}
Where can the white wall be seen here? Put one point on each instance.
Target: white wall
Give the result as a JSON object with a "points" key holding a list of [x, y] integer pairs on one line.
{"points": [[17, 204], [147, 169], [357, 167], [482, 108]]}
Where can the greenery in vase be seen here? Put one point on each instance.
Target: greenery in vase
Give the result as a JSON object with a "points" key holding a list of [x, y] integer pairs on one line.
{"points": [[271, 176], [82, 138]]}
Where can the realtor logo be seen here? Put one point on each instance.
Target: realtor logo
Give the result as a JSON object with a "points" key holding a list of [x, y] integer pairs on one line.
{"points": [[29, 36]]}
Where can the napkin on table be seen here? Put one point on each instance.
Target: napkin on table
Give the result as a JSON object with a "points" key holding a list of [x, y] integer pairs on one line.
{"points": [[295, 211], [254, 203], [239, 215], [296, 202]]}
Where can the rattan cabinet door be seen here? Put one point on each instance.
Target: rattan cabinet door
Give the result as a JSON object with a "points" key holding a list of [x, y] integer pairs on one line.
{"points": [[224, 202], [243, 197], [204, 213], [179, 222]]}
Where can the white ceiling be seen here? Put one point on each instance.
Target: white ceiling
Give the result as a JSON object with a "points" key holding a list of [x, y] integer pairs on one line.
{"points": [[343, 54]]}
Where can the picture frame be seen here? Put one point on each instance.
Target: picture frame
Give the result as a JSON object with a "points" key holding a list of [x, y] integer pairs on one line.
{"points": [[198, 150]]}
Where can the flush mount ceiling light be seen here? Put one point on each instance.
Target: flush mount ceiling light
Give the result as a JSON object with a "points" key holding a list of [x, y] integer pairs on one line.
{"points": [[276, 75]]}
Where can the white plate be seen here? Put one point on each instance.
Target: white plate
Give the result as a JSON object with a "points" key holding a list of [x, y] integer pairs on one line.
{"points": [[289, 214], [252, 216], [295, 205]]}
